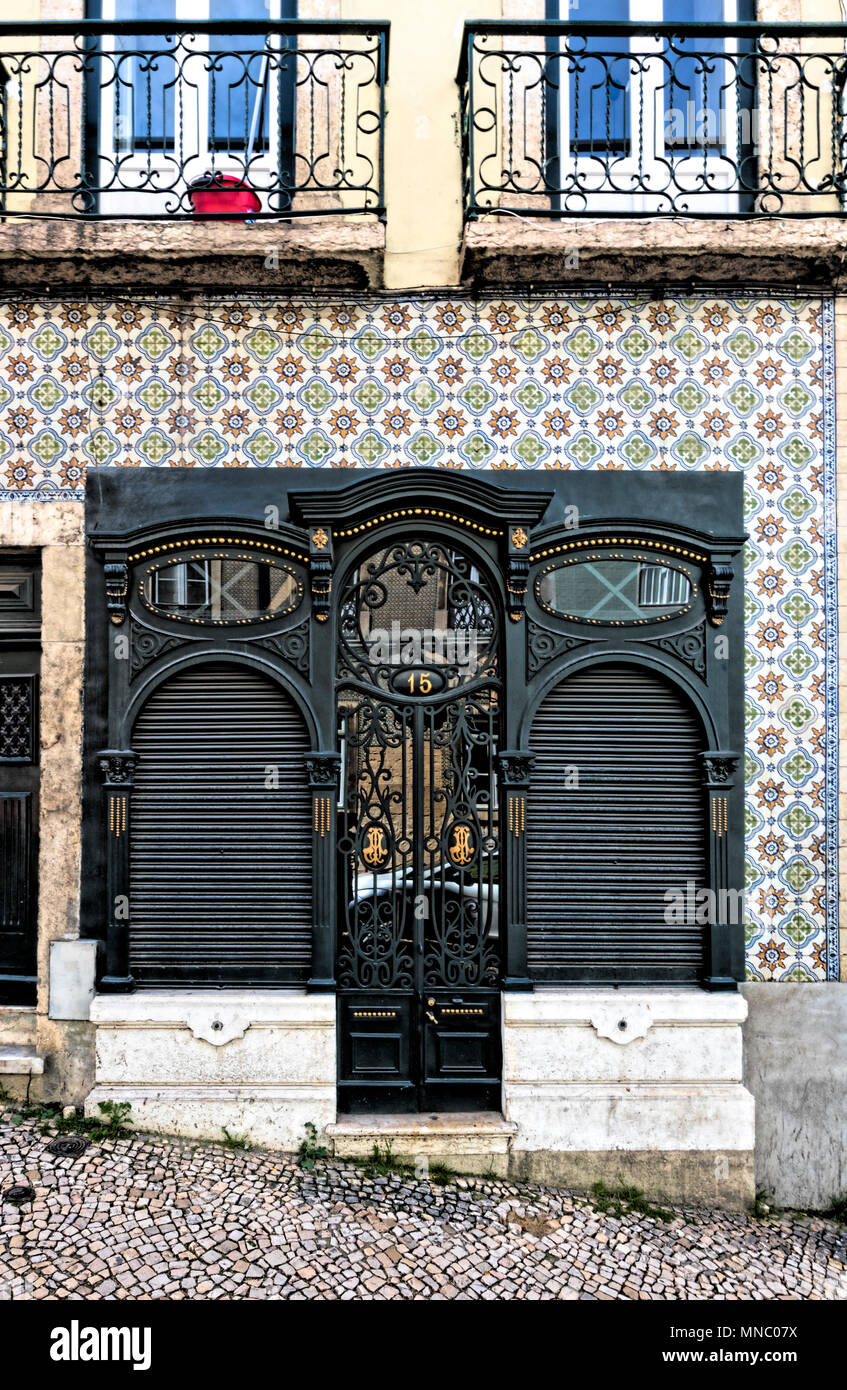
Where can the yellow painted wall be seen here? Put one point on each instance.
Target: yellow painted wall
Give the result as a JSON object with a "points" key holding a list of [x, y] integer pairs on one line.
{"points": [[422, 169]]}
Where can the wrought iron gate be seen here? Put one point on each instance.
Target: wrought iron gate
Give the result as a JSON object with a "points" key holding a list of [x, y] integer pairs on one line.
{"points": [[418, 701]]}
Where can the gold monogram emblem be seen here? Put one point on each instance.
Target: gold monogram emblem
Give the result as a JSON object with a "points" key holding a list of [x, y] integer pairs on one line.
{"points": [[461, 850], [375, 851], [319, 538], [519, 538]]}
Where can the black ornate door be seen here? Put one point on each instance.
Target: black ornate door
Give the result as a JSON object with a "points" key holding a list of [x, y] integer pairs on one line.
{"points": [[418, 701]]}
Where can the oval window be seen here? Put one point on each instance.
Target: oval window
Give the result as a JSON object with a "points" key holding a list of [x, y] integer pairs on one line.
{"points": [[224, 588], [615, 589]]}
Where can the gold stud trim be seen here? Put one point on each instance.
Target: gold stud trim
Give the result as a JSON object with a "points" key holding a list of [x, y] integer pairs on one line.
{"points": [[195, 541], [117, 816], [620, 540], [419, 511], [323, 811]]}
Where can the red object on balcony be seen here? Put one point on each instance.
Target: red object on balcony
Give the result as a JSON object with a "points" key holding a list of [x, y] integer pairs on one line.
{"points": [[222, 197]]}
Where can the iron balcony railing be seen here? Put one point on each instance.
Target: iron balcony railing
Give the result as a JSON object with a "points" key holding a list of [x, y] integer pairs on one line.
{"points": [[136, 119], [630, 120]]}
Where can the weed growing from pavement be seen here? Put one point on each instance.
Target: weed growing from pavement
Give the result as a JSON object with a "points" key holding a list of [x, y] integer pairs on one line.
{"points": [[440, 1174], [234, 1141], [309, 1148], [113, 1122], [764, 1207], [626, 1201], [383, 1163], [838, 1209]]}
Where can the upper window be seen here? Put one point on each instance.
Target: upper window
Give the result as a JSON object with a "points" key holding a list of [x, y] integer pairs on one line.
{"points": [[645, 117], [220, 589], [178, 109], [615, 589]]}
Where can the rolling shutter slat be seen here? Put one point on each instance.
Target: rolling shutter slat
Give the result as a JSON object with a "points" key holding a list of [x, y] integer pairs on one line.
{"points": [[220, 864], [600, 857]]}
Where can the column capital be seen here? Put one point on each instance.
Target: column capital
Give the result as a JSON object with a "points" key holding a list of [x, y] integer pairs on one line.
{"points": [[117, 766], [719, 766], [322, 769], [515, 767]]}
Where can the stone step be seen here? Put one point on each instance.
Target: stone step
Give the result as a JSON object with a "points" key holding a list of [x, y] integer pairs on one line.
{"points": [[20, 1060], [470, 1142]]}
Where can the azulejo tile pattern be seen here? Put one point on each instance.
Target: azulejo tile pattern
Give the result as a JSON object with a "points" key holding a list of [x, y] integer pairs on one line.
{"points": [[614, 381]]}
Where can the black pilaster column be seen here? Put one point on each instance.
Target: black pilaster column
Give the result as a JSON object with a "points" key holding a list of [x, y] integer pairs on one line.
{"points": [[514, 768], [322, 770], [118, 768], [725, 944]]}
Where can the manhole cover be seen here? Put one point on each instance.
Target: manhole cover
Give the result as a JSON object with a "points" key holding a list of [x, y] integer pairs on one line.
{"points": [[68, 1147], [19, 1193]]}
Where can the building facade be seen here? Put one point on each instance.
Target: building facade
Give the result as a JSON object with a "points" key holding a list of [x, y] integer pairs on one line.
{"points": [[420, 600]]}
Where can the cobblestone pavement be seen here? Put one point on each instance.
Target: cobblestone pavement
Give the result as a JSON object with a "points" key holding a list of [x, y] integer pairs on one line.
{"points": [[154, 1217]]}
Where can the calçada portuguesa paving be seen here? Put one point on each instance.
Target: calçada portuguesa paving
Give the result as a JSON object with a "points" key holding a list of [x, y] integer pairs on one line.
{"points": [[151, 1217]]}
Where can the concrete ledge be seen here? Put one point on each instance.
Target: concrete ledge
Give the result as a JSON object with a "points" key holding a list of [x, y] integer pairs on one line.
{"points": [[159, 1008], [655, 252], [20, 1061], [609, 1118], [272, 1117], [471, 1142], [328, 253]]}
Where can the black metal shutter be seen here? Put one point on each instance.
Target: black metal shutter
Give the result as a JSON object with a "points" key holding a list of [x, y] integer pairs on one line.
{"points": [[600, 856], [220, 862]]}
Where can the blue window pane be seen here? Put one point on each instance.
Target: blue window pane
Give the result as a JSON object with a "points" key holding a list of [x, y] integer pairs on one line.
{"points": [[238, 83], [698, 88], [598, 80], [145, 80]]}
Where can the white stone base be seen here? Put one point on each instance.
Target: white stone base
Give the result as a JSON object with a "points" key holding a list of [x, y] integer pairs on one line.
{"points": [[629, 1072], [271, 1117], [260, 1063], [641, 1086]]}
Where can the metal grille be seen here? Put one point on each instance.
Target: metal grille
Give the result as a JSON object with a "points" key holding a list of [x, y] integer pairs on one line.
{"points": [[615, 818], [221, 833], [16, 858], [16, 719]]}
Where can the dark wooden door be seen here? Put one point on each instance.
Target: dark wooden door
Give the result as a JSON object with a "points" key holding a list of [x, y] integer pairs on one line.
{"points": [[19, 776]]}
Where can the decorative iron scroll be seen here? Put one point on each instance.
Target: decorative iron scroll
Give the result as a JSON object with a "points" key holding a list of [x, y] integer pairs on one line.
{"points": [[271, 108], [377, 897], [293, 646], [146, 646], [641, 119], [16, 719], [543, 645], [419, 836], [417, 604], [461, 846], [689, 647]]}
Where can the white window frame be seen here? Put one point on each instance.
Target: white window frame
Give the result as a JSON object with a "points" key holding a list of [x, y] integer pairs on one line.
{"points": [[140, 172], [588, 172]]}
